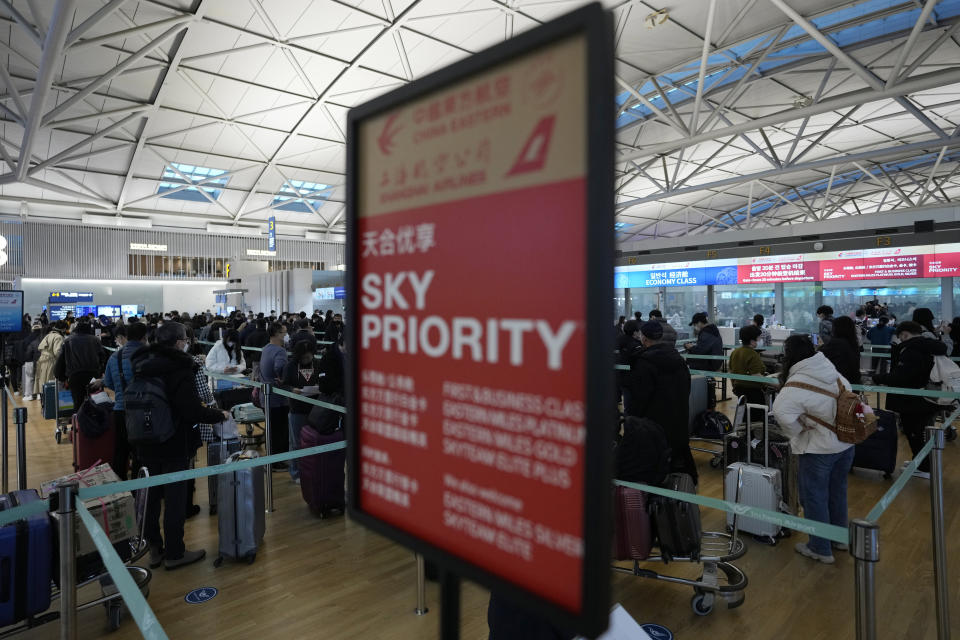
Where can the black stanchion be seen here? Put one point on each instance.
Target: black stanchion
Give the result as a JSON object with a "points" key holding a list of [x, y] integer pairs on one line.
{"points": [[449, 606], [20, 418]]}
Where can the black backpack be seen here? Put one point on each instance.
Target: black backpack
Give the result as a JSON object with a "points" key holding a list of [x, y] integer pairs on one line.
{"points": [[643, 454], [149, 417], [326, 421], [712, 424]]}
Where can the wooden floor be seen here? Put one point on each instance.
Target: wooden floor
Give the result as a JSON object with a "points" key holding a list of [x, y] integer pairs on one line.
{"points": [[333, 579]]}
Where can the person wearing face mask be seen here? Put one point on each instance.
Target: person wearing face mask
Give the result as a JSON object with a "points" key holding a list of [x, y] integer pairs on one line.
{"points": [[165, 360], [300, 375], [226, 355], [334, 332], [273, 360]]}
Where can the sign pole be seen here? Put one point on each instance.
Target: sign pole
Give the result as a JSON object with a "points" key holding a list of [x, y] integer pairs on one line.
{"points": [[449, 606]]}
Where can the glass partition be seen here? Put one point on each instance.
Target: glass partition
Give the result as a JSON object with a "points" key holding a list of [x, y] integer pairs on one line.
{"points": [[737, 304], [680, 303], [900, 296], [643, 299], [799, 307], [619, 304]]}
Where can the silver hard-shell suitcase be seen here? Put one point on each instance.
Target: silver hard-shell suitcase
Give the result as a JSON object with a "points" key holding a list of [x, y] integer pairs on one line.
{"points": [[216, 454], [760, 485], [240, 510]]}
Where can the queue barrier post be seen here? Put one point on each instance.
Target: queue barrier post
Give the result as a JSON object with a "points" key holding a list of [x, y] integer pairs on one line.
{"points": [[268, 440], [20, 418], [865, 549], [4, 436], [941, 587], [66, 494], [421, 587], [449, 605]]}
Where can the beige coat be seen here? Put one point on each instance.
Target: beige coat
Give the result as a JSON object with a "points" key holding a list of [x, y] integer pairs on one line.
{"points": [[49, 349]]}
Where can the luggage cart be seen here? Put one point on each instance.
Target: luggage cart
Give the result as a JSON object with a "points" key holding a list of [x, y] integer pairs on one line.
{"points": [[131, 551], [720, 577]]}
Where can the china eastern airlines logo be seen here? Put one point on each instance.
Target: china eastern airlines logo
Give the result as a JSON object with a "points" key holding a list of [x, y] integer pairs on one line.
{"points": [[390, 131]]}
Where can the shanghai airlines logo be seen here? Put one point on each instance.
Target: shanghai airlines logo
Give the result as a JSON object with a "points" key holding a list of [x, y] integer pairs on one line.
{"points": [[385, 141], [533, 156]]}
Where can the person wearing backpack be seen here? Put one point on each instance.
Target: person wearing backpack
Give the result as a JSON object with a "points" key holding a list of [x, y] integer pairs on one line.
{"points": [[804, 405], [118, 374], [161, 408], [658, 388], [911, 361]]}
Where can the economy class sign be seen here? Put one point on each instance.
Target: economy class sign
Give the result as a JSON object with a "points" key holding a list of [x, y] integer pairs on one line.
{"points": [[476, 208]]}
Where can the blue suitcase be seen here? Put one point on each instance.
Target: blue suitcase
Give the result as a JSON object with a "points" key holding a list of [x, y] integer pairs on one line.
{"points": [[48, 399], [26, 557]]}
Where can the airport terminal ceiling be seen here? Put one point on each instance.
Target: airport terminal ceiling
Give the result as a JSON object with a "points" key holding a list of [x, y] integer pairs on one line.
{"points": [[732, 114]]}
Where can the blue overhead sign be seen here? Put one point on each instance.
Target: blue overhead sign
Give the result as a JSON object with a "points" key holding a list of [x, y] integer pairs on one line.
{"points": [[271, 234], [69, 297], [676, 277]]}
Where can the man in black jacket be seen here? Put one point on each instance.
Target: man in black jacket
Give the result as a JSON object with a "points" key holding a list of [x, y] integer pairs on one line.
{"points": [[166, 360], [258, 338], [304, 333], [83, 357], [334, 331], [911, 361], [709, 343], [659, 389]]}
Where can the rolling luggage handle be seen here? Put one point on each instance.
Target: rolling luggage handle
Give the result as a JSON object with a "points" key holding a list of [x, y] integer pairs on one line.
{"points": [[766, 432]]}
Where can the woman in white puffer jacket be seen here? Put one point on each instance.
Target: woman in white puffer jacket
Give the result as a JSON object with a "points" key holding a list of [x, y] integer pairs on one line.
{"points": [[226, 356], [824, 460]]}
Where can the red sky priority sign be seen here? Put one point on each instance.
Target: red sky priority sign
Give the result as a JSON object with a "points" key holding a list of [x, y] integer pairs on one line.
{"points": [[480, 247]]}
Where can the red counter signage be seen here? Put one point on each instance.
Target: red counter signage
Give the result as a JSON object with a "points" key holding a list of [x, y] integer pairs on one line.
{"points": [[476, 201], [761, 271], [941, 265], [867, 266]]}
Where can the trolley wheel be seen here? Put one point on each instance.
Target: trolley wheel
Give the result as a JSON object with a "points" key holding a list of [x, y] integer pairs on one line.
{"points": [[113, 616], [252, 558], [951, 434], [715, 463], [58, 436], [702, 603], [887, 476], [218, 562]]}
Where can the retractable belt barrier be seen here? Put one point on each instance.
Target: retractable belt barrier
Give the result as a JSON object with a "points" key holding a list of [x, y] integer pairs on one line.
{"points": [[137, 605], [151, 629], [811, 527]]}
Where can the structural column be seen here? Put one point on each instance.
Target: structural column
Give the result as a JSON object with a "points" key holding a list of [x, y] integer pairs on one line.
{"points": [[946, 299], [711, 303], [778, 303]]}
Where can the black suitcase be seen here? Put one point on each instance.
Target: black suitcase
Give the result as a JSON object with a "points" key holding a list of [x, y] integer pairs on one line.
{"points": [[879, 451], [677, 523], [229, 398]]}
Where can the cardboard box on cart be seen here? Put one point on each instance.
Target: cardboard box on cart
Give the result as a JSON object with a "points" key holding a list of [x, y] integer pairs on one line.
{"points": [[116, 513]]}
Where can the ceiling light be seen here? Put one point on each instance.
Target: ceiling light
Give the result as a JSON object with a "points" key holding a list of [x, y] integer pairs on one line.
{"points": [[234, 230], [656, 18], [116, 221]]}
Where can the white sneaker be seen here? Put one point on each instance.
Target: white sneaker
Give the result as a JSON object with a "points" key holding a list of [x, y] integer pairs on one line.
{"points": [[922, 474], [841, 546], [804, 550]]}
